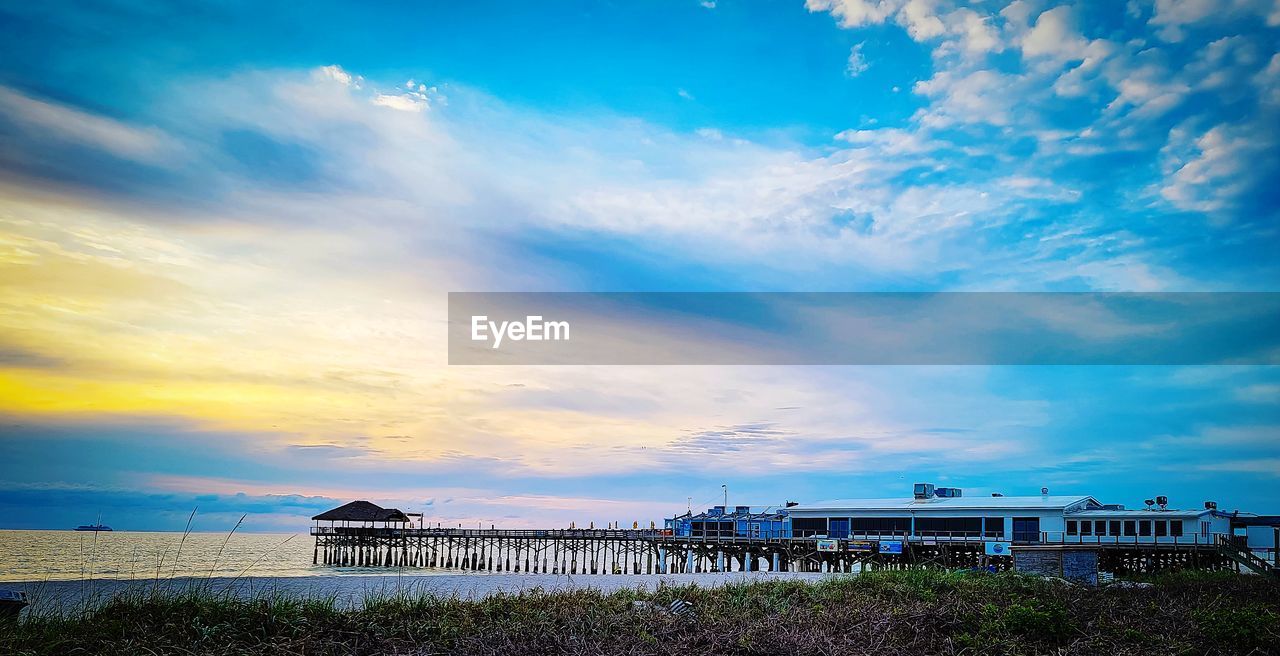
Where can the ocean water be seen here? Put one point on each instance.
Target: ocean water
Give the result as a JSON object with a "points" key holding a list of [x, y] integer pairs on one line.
{"points": [[129, 555], [67, 570]]}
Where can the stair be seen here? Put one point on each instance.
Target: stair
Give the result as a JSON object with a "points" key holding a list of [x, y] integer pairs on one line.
{"points": [[1245, 558]]}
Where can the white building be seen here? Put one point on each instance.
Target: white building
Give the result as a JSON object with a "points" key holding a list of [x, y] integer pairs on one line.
{"points": [[946, 514]]}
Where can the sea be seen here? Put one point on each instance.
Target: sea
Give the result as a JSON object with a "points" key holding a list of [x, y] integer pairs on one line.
{"points": [[69, 570], [136, 555]]}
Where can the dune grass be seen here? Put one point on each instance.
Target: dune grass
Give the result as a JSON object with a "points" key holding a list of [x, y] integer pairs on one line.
{"points": [[911, 612]]}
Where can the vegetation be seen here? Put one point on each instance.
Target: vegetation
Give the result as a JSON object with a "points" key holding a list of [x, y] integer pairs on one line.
{"points": [[912, 612]]}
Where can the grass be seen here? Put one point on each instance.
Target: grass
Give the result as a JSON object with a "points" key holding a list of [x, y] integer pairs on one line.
{"points": [[913, 612]]}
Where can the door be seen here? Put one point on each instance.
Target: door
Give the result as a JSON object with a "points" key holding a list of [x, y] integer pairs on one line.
{"points": [[1026, 529], [839, 528]]}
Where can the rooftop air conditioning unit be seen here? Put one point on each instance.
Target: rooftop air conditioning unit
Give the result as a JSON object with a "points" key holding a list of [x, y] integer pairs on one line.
{"points": [[1211, 505], [1162, 501], [923, 490], [948, 492]]}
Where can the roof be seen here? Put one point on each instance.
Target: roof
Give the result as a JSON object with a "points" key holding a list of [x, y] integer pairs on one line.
{"points": [[767, 513], [947, 503], [1141, 513], [361, 511]]}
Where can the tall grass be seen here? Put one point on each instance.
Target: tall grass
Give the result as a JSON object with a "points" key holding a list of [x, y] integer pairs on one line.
{"points": [[911, 612]]}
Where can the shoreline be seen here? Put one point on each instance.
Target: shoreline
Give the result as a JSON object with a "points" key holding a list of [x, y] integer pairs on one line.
{"points": [[350, 590]]}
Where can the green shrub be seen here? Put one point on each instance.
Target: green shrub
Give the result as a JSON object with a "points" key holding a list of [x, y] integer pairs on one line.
{"points": [[1250, 627]]}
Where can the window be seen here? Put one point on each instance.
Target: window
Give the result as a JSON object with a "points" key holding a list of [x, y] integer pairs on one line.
{"points": [[1175, 528], [1100, 527], [1115, 527], [803, 527], [1204, 528], [1130, 527], [1026, 529], [1086, 527], [1162, 528], [994, 527], [755, 529], [879, 525], [1072, 528], [958, 526], [1144, 528]]}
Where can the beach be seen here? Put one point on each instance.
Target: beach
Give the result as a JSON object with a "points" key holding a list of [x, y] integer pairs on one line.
{"points": [[351, 590]]}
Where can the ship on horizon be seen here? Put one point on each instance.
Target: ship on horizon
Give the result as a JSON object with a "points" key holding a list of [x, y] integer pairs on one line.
{"points": [[96, 528]]}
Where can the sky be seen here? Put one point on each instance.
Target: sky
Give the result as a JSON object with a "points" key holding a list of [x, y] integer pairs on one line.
{"points": [[227, 234]]}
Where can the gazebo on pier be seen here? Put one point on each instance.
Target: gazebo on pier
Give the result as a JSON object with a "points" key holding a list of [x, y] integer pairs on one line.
{"points": [[358, 516]]}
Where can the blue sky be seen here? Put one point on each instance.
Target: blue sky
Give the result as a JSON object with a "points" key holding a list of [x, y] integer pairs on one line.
{"points": [[228, 233]]}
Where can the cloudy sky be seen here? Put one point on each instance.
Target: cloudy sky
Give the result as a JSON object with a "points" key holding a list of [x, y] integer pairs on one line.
{"points": [[227, 234]]}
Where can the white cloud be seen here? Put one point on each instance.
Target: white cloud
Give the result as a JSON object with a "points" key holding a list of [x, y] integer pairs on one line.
{"points": [[921, 19], [405, 102], [856, 13], [67, 124], [339, 75], [857, 64], [1207, 172], [976, 31], [983, 96], [1055, 36], [1174, 17]]}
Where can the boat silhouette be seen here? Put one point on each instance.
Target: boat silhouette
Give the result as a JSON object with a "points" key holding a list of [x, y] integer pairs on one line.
{"points": [[96, 528]]}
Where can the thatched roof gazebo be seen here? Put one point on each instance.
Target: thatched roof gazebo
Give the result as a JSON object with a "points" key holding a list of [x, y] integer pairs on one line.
{"points": [[362, 514], [361, 511]]}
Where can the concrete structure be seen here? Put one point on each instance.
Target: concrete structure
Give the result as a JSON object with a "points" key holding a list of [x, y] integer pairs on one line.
{"points": [[1077, 563]]}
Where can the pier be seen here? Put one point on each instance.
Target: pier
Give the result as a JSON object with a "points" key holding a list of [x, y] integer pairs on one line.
{"points": [[948, 531], [599, 551]]}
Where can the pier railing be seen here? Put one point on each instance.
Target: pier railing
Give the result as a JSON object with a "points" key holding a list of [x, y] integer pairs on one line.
{"points": [[389, 531], [1190, 540]]}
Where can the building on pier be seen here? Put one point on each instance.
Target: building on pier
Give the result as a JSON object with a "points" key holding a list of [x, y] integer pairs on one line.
{"points": [[945, 513], [742, 521]]}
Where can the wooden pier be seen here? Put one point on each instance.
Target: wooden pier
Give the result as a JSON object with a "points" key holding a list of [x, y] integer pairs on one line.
{"points": [[598, 551]]}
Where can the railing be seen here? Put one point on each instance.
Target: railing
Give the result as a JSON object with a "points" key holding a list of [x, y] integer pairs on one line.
{"points": [[1191, 540], [395, 531], [1236, 548]]}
